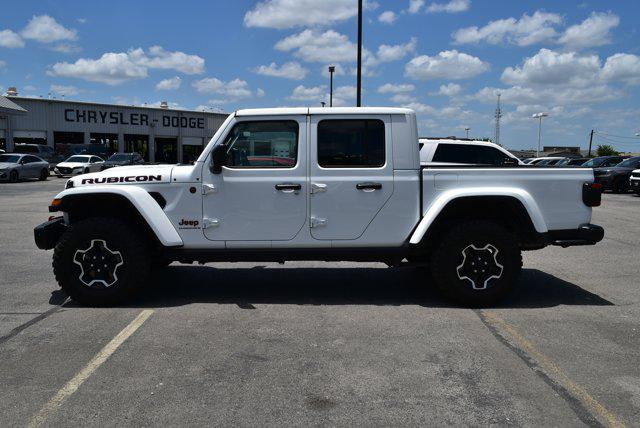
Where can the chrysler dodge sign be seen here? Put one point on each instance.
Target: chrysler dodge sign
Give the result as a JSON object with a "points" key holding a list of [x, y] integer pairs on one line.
{"points": [[120, 118]]}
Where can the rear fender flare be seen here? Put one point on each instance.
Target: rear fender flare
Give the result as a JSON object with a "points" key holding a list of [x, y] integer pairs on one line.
{"points": [[146, 206], [442, 200]]}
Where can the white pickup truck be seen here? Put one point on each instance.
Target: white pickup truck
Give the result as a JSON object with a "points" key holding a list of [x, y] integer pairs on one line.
{"points": [[315, 184]]}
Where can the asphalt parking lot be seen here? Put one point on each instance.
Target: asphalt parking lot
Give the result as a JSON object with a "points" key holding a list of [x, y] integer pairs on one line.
{"points": [[322, 343]]}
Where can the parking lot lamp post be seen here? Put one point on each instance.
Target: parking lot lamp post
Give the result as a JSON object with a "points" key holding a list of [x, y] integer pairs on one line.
{"points": [[332, 68], [467, 131], [539, 116]]}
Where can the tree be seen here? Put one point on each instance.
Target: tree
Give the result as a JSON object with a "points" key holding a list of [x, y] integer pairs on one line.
{"points": [[606, 150]]}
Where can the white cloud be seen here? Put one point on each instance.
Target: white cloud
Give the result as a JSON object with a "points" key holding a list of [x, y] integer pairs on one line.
{"points": [[343, 95], [449, 90], [3, 64], [415, 6], [283, 14], [396, 88], [289, 70], [9, 39], [453, 6], [64, 90], [170, 84], [622, 67], [519, 95], [66, 48], [388, 53], [260, 93], [447, 64], [315, 46], [548, 67], [387, 17], [115, 68], [111, 68], [45, 29], [233, 90], [402, 99], [302, 93], [158, 57], [527, 30], [593, 31]]}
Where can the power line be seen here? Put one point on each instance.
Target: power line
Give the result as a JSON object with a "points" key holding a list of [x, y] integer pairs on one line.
{"points": [[617, 136], [610, 140]]}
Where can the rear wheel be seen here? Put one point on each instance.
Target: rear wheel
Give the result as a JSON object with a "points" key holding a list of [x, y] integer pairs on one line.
{"points": [[101, 261], [620, 186], [477, 263], [14, 177], [44, 174]]}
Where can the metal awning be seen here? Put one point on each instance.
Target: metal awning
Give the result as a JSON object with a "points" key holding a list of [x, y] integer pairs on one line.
{"points": [[9, 107]]}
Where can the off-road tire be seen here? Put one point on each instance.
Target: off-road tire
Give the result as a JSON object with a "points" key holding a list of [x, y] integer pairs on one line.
{"points": [[44, 174], [120, 238], [14, 177], [450, 258]]}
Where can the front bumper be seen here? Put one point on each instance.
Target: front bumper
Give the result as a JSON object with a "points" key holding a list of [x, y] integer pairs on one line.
{"points": [[585, 234], [634, 183], [47, 234]]}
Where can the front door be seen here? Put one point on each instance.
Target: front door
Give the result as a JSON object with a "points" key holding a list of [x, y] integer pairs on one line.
{"points": [[351, 174], [260, 195]]}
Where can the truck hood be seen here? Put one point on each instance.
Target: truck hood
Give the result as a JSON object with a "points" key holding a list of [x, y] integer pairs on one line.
{"points": [[135, 174]]}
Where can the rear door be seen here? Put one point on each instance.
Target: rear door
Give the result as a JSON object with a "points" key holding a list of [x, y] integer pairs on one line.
{"points": [[351, 173]]}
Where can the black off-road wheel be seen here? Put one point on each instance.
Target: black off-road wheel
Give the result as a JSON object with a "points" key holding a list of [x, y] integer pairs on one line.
{"points": [[477, 264], [14, 177], [101, 261], [44, 174]]}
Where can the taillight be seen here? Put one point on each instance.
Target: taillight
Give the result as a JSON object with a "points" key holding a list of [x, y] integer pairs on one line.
{"points": [[592, 194]]}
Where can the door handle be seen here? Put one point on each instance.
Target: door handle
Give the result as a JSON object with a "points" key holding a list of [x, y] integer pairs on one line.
{"points": [[288, 186], [369, 186]]}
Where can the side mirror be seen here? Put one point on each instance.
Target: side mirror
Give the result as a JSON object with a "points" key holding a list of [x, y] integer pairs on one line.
{"points": [[510, 162], [218, 158]]}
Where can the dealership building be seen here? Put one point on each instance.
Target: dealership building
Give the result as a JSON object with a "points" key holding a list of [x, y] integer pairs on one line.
{"points": [[70, 127]]}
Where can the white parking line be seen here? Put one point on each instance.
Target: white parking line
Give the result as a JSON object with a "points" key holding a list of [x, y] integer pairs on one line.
{"points": [[72, 386]]}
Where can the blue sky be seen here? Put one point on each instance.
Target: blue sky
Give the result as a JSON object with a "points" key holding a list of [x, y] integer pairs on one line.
{"points": [[577, 60]]}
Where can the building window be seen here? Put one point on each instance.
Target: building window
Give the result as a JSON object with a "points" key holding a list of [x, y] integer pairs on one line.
{"points": [[166, 150], [69, 143], [135, 143], [108, 141], [347, 143], [191, 149]]}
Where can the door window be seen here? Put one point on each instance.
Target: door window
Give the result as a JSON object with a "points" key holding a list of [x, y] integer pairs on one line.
{"points": [[263, 144], [351, 143], [468, 154]]}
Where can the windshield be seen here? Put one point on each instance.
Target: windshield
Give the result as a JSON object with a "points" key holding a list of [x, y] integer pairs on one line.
{"points": [[9, 158], [630, 163], [80, 159], [593, 162], [119, 158]]}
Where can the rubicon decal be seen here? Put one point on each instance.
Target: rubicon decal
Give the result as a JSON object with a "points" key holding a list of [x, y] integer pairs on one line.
{"points": [[189, 224], [126, 179]]}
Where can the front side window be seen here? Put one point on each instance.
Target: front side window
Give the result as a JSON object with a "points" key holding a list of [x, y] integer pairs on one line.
{"points": [[348, 143], [263, 144]]}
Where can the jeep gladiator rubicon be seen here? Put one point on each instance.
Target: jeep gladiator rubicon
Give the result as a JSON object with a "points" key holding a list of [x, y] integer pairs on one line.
{"points": [[315, 184]]}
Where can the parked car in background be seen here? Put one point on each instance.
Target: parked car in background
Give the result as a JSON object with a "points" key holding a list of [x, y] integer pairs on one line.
{"points": [[546, 159], [604, 161], [550, 161], [122, 159], [634, 181], [464, 152], [40, 150], [571, 162], [17, 166], [79, 164], [616, 178]]}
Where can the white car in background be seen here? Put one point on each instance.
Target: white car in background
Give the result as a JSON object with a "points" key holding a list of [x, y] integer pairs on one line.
{"points": [[547, 161], [634, 181], [79, 164], [448, 151]]}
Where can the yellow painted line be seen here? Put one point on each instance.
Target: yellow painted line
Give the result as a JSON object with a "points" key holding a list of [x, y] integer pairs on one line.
{"points": [[552, 369], [72, 386]]}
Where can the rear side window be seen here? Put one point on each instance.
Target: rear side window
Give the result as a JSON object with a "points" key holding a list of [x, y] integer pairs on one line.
{"points": [[351, 143], [263, 144], [31, 159], [468, 154]]}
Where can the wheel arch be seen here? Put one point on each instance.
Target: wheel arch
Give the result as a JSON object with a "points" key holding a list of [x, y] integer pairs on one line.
{"points": [[132, 204], [515, 208]]}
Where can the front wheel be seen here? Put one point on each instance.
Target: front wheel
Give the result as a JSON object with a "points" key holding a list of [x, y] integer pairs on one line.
{"points": [[44, 174], [14, 177], [101, 261], [620, 186], [477, 263]]}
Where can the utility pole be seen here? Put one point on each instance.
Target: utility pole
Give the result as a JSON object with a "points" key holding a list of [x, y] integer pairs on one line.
{"points": [[359, 84], [590, 141], [498, 115], [332, 68]]}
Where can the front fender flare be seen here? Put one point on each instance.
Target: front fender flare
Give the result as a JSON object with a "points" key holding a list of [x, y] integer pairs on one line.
{"points": [[142, 202], [441, 201]]}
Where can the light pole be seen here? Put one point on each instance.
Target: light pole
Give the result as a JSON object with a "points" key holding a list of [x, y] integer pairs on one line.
{"points": [[332, 68], [539, 116], [467, 131], [359, 83]]}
